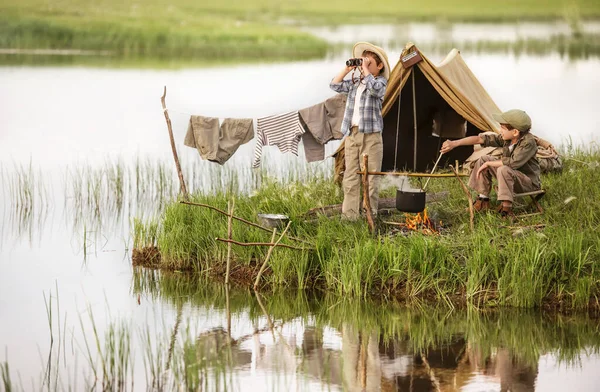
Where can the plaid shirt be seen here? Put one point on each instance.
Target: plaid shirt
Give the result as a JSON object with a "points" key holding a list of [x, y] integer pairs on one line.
{"points": [[370, 103]]}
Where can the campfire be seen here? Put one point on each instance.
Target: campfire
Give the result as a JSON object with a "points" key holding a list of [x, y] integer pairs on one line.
{"points": [[417, 222], [420, 222]]}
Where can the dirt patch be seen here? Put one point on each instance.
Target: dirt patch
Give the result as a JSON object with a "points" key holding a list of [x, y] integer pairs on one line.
{"points": [[146, 257]]}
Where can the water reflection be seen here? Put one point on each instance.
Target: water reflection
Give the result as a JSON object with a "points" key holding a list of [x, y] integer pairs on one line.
{"points": [[316, 340]]}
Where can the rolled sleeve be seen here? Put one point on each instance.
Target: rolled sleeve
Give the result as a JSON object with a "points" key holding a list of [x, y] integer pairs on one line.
{"points": [[521, 155], [376, 86], [491, 139], [341, 87]]}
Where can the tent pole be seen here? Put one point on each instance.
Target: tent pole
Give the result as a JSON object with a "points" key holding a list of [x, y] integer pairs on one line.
{"points": [[414, 121], [397, 131]]}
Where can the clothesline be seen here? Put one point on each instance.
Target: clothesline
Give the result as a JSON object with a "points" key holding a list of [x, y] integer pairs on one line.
{"points": [[217, 139]]}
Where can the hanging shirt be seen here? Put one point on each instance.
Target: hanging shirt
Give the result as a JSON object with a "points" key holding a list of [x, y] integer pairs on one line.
{"points": [[321, 122], [370, 103], [283, 131]]}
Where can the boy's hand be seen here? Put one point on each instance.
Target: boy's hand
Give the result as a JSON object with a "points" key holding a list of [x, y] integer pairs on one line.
{"points": [[365, 65], [482, 168], [447, 146]]}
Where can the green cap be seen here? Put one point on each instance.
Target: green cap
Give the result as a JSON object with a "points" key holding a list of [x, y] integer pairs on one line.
{"points": [[516, 118]]}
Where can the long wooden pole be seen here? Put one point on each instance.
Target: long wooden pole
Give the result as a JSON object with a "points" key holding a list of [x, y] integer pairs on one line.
{"points": [[414, 95], [469, 198], [182, 187], [366, 198], [240, 219], [410, 174], [231, 207], [259, 244]]}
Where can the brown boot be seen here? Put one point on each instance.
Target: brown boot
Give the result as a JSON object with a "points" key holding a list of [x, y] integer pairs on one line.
{"points": [[481, 205], [506, 212]]}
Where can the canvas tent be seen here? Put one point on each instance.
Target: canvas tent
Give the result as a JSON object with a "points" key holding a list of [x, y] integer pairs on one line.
{"points": [[449, 102]]}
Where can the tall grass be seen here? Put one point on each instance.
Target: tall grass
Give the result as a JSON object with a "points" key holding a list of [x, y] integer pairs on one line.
{"points": [[536, 261]]}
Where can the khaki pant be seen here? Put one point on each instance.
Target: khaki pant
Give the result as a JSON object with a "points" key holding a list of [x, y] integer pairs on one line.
{"points": [[357, 144], [510, 181]]}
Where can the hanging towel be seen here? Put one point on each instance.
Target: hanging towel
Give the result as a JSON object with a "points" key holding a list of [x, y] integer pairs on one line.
{"points": [[322, 122], [203, 135], [282, 130], [214, 143]]}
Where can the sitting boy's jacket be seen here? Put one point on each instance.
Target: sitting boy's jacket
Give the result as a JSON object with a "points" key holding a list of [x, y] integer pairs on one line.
{"points": [[521, 158], [370, 103]]}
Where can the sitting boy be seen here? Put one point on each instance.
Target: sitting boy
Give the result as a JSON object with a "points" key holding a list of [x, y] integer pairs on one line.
{"points": [[517, 170]]}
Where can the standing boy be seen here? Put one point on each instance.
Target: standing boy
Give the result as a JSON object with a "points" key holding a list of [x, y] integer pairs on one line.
{"points": [[517, 171], [363, 123]]}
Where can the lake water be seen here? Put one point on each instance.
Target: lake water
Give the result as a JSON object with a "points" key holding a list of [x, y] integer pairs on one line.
{"points": [[69, 246]]}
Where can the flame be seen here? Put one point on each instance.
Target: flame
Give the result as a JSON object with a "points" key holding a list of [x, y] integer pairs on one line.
{"points": [[420, 222]]}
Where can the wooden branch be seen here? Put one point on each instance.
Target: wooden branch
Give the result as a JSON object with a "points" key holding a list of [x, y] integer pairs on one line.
{"points": [[412, 174], [240, 219], [229, 237], [384, 204], [269, 252], [259, 244], [471, 214], [538, 226], [366, 198], [182, 187]]}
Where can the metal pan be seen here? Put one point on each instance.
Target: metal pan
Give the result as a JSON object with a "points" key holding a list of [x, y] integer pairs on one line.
{"points": [[413, 201]]}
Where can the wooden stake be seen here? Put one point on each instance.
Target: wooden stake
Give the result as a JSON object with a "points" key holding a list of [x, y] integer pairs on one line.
{"points": [[472, 215], [230, 207], [228, 311], [367, 200], [182, 187], [269, 252]]}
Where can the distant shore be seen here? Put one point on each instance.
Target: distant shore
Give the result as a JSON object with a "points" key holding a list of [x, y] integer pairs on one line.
{"points": [[256, 29]]}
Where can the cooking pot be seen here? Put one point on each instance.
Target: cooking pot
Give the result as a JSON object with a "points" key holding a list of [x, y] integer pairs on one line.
{"points": [[413, 201]]}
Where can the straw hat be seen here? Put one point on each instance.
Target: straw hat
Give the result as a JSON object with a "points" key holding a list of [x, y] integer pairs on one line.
{"points": [[360, 47]]}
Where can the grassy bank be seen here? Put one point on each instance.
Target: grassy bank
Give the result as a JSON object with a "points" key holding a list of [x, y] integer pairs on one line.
{"points": [[237, 30], [550, 259]]}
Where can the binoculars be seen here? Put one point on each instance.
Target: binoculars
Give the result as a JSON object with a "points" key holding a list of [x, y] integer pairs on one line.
{"points": [[354, 62]]}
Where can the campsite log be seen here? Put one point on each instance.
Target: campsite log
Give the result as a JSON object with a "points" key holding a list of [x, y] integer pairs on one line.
{"points": [[365, 181], [182, 187]]}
